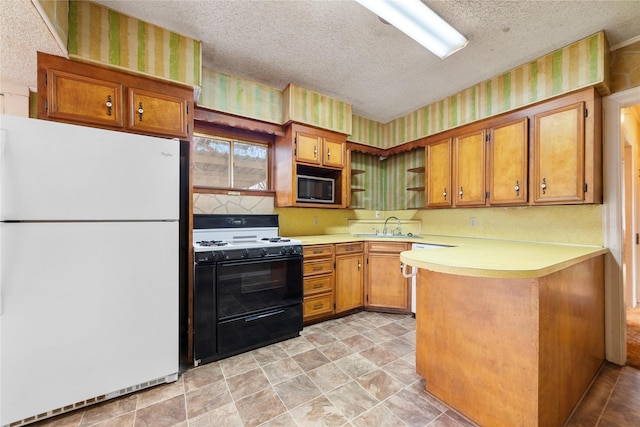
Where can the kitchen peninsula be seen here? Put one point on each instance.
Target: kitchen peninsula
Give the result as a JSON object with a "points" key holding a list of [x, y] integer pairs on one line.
{"points": [[509, 333]]}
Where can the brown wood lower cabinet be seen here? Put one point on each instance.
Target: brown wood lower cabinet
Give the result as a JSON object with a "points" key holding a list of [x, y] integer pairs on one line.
{"points": [[318, 281], [349, 288], [386, 288], [511, 352]]}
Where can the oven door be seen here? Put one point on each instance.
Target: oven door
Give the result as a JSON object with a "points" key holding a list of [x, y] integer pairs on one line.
{"points": [[259, 303], [251, 286]]}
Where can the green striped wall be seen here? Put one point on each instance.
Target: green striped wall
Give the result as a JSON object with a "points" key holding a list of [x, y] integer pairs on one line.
{"points": [[57, 12], [367, 130], [370, 180], [233, 95], [576, 66], [100, 34], [305, 106]]}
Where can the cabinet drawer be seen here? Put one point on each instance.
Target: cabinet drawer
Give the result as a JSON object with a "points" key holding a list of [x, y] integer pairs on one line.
{"points": [[318, 267], [317, 285], [387, 247], [316, 251], [319, 305], [347, 248]]}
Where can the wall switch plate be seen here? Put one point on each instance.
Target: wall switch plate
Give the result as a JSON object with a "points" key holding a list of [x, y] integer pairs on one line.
{"points": [[377, 214], [473, 222]]}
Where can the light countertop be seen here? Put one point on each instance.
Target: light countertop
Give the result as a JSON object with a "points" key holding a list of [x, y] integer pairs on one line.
{"points": [[480, 257]]}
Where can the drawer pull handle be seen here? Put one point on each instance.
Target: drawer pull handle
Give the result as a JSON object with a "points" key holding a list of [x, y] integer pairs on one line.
{"points": [[318, 305], [317, 251], [318, 285], [318, 268]]}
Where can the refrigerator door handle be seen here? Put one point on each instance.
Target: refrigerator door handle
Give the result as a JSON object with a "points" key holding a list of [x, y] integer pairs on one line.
{"points": [[3, 143]]}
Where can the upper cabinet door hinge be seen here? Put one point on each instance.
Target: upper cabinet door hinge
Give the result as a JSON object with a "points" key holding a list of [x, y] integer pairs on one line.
{"points": [[586, 112], [487, 138]]}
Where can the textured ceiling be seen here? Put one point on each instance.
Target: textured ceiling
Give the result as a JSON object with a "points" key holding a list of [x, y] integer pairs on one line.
{"points": [[342, 50]]}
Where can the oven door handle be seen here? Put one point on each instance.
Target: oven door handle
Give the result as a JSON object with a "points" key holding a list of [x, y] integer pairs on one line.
{"points": [[262, 316]]}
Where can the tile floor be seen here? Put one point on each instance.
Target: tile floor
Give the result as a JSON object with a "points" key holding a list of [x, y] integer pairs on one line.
{"points": [[355, 371]]}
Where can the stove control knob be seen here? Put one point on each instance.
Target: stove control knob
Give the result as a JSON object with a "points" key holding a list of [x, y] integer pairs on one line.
{"points": [[283, 250], [245, 253], [263, 251], [222, 255]]}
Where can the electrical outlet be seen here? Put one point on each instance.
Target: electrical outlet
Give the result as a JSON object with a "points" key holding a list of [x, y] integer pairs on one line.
{"points": [[473, 222], [377, 214], [315, 220]]}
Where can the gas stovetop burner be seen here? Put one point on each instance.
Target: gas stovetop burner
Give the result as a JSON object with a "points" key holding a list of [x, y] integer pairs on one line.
{"points": [[211, 243], [276, 239]]}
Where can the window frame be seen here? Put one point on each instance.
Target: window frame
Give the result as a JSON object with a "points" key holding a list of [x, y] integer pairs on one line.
{"points": [[242, 137]]}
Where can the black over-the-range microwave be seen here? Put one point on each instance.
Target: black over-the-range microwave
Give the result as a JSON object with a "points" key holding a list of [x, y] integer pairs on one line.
{"points": [[315, 189]]}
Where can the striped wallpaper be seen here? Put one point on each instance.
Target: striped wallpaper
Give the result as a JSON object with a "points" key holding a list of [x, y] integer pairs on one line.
{"points": [[576, 66], [385, 181], [100, 34], [312, 108], [241, 97], [367, 130]]}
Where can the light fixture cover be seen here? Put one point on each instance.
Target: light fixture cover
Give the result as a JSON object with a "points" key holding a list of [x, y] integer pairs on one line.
{"points": [[416, 20]]}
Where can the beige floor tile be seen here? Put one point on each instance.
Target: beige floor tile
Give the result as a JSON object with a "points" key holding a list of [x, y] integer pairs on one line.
{"points": [[319, 412], [247, 383], [297, 391], [352, 399], [328, 377], [167, 413], [260, 407]]}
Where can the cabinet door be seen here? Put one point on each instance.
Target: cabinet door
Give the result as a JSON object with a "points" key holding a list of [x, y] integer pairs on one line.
{"points": [[84, 99], [333, 153], [157, 113], [508, 163], [469, 167], [308, 148], [349, 289], [438, 174], [558, 162], [386, 286]]}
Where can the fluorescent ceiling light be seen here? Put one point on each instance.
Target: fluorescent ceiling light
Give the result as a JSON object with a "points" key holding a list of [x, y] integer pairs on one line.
{"points": [[420, 23]]}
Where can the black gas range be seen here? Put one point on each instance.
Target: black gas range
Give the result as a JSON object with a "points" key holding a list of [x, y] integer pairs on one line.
{"points": [[248, 285]]}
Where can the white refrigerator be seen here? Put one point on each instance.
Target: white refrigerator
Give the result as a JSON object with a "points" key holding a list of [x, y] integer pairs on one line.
{"points": [[88, 265]]}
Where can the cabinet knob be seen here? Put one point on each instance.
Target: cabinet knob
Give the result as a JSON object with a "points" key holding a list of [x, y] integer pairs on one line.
{"points": [[359, 265], [444, 193], [315, 151], [544, 185], [140, 111], [517, 188], [109, 105], [328, 153], [460, 193]]}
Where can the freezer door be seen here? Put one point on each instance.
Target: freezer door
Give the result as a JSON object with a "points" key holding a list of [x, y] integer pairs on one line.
{"points": [[86, 310], [55, 171]]}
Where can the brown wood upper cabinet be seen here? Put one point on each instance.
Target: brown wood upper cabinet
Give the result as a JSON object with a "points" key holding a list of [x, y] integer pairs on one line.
{"points": [[77, 92], [319, 150], [469, 169], [438, 174], [559, 167], [492, 163], [507, 158], [304, 150]]}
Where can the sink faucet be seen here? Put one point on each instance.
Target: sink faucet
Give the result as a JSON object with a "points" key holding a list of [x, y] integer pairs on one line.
{"points": [[384, 230]]}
